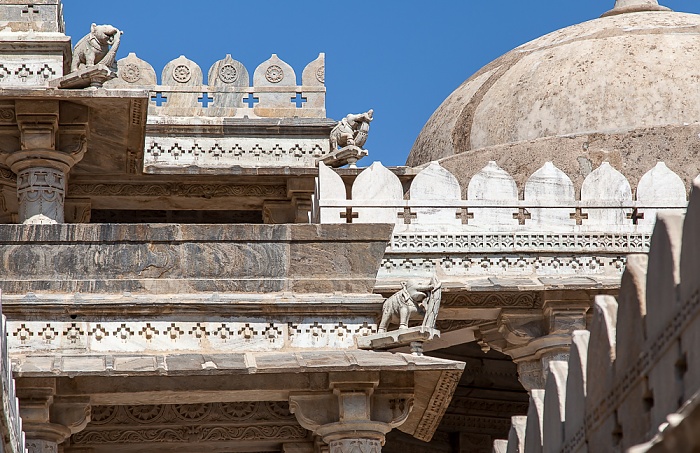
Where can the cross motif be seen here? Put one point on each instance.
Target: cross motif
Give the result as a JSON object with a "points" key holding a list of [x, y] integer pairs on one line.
{"points": [[299, 100], [159, 99], [635, 216], [464, 215], [205, 100], [34, 9], [407, 215], [348, 215], [579, 216], [522, 215], [251, 100]]}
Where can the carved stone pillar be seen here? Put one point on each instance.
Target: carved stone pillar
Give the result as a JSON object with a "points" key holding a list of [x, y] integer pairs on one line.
{"points": [[48, 149], [354, 416], [47, 419], [533, 340]]}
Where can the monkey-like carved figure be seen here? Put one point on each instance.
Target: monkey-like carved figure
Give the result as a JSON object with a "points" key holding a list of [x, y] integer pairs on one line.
{"points": [[94, 47], [413, 300]]}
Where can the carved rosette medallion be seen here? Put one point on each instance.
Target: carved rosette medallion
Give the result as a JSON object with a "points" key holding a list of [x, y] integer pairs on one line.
{"points": [[241, 410], [279, 409], [7, 115], [321, 74], [130, 73], [355, 446], [193, 412], [228, 73], [182, 74], [145, 413], [274, 74], [101, 415]]}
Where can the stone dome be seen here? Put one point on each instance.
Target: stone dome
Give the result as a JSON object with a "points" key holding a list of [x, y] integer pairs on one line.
{"points": [[636, 67]]}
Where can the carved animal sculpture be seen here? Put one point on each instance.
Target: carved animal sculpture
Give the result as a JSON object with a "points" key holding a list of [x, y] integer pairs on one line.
{"points": [[94, 47], [351, 130], [405, 304]]}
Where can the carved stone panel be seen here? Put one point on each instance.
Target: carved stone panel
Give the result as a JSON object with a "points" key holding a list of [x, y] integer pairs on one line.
{"points": [[162, 427]]}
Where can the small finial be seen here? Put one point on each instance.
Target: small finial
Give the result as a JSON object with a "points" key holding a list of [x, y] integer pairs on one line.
{"points": [[634, 6]]}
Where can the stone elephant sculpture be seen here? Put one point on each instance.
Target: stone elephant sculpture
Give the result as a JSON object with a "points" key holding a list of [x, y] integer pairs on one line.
{"points": [[94, 48], [405, 304]]}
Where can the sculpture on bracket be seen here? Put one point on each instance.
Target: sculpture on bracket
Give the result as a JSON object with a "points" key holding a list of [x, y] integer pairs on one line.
{"points": [[347, 139], [414, 299], [95, 49]]}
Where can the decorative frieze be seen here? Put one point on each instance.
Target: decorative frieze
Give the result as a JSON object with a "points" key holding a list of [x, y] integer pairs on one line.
{"points": [[179, 190], [223, 153], [190, 423], [135, 336]]}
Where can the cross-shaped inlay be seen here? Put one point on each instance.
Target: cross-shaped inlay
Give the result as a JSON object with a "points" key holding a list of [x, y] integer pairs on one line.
{"points": [[635, 216], [407, 215], [205, 100], [251, 100], [299, 100], [579, 216], [159, 99], [348, 215], [464, 215], [522, 215], [30, 8]]}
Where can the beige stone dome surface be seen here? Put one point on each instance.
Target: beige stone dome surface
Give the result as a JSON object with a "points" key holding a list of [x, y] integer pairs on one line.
{"points": [[614, 74]]}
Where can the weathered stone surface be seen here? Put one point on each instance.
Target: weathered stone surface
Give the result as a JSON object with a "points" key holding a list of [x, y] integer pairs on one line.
{"points": [[574, 412], [486, 111], [659, 185], [554, 407], [549, 184], [377, 184], [516, 436], [177, 258], [600, 373], [533, 429], [605, 183], [493, 183], [435, 184]]}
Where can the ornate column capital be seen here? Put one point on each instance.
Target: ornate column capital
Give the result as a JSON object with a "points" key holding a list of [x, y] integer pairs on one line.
{"points": [[47, 419], [353, 415], [533, 339], [52, 139]]}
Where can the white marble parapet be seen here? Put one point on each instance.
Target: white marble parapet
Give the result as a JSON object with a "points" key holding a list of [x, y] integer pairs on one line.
{"points": [[274, 92], [435, 204]]}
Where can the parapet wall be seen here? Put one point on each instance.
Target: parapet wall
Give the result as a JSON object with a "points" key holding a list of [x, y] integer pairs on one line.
{"points": [[434, 202], [273, 92], [636, 372]]}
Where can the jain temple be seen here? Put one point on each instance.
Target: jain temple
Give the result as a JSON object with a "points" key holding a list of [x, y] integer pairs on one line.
{"points": [[199, 260]]}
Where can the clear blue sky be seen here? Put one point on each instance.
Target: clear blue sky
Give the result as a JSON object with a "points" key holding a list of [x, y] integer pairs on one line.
{"points": [[401, 58]]}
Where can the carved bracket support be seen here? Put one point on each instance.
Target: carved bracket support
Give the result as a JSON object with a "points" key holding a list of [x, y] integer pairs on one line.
{"points": [[534, 339], [353, 415]]}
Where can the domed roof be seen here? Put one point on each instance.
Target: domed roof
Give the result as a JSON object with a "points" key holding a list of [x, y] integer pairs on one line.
{"points": [[637, 66]]}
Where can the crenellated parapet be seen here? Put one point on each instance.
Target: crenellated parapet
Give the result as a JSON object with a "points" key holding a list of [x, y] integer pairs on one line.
{"points": [[487, 229], [272, 90], [632, 377]]}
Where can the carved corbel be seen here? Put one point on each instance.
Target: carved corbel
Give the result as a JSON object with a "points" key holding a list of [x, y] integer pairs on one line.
{"points": [[352, 414], [533, 340], [48, 419], [71, 412]]}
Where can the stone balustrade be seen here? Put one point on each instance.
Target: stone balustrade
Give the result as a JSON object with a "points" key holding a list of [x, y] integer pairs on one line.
{"points": [[636, 370]]}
